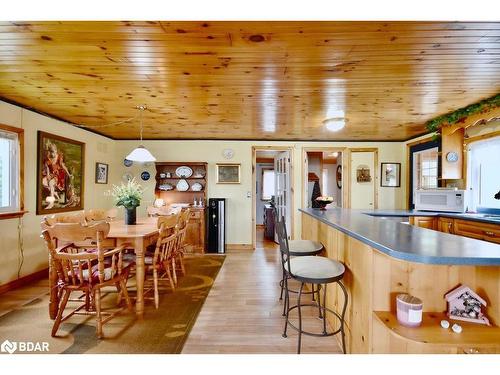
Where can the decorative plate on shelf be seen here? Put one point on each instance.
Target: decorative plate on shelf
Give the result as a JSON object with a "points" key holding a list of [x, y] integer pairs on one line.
{"points": [[166, 187], [145, 175], [199, 173], [127, 163], [197, 187], [184, 172], [182, 185]]}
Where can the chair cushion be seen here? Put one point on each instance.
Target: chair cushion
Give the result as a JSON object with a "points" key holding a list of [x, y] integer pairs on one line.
{"points": [[313, 268], [304, 247]]}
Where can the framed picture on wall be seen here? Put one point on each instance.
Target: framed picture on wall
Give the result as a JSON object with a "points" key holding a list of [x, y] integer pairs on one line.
{"points": [[60, 174], [228, 173], [101, 173], [390, 175]]}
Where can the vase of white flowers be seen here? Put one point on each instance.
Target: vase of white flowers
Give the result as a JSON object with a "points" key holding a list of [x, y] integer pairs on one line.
{"points": [[129, 196]]}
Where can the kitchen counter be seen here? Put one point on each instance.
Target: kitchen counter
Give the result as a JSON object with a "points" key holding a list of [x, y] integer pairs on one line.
{"points": [[383, 258], [407, 242]]}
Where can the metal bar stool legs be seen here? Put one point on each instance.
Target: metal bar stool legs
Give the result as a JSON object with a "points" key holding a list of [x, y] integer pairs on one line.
{"points": [[323, 310]]}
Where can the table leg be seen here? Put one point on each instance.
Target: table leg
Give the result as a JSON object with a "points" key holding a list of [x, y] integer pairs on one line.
{"points": [[139, 276]]}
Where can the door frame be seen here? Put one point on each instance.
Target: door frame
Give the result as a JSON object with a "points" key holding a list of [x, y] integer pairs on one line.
{"points": [[254, 187], [345, 166], [375, 172]]}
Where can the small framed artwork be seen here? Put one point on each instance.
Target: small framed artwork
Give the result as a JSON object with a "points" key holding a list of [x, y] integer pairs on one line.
{"points": [[228, 173], [390, 175], [60, 174], [101, 173]]}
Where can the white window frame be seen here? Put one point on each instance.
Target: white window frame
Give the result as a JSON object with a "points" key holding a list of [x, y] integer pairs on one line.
{"points": [[269, 170], [14, 171]]}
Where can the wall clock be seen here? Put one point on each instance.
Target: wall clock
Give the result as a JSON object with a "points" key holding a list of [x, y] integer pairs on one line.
{"points": [[228, 153], [452, 157]]}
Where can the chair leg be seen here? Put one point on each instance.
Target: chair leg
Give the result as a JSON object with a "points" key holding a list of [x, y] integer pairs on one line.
{"points": [[342, 329], [181, 263], [59, 316], [155, 282], [169, 274], [97, 294], [313, 294], [285, 306], [300, 317], [282, 283], [174, 274], [319, 301], [324, 309], [123, 290]]}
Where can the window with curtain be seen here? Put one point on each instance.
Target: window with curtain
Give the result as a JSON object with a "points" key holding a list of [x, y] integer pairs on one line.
{"points": [[484, 173], [9, 171], [268, 182]]}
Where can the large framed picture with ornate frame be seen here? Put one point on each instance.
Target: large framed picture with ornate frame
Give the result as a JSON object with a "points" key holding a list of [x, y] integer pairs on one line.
{"points": [[227, 173], [60, 174]]}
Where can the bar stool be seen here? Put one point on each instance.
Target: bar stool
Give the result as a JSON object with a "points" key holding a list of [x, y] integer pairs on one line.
{"points": [[298, 248], [311, 270]]}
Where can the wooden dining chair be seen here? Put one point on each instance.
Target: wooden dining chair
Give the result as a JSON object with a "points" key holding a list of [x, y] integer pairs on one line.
{"points": [[99, 214], [78, 217], [84, 263], [160, 262], [178, 256]]}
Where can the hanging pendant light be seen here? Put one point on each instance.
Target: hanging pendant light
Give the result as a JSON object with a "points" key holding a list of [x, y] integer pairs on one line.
{"points": [[141, 153]]}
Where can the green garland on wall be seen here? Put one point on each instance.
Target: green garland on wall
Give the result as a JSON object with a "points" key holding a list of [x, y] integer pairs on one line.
{"points": [[460, 114]]}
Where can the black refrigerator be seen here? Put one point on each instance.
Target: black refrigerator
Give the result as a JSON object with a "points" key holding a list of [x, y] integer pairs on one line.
{"points": [[216, 222]]}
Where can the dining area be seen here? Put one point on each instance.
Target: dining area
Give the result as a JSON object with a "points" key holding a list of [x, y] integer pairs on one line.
{"points": [[104, 269]]}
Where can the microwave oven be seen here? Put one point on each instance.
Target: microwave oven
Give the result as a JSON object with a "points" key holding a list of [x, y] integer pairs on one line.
{"points": [[449, 200]]}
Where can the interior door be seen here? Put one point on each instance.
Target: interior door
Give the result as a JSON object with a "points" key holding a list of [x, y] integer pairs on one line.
{"points": [[431, 147], [363, 179], [282, 188]]}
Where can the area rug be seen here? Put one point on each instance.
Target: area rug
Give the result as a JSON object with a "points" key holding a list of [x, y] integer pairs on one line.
{"points": [[163, 330]]}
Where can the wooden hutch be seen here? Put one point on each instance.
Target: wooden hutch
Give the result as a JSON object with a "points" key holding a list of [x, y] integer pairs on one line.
{"points": [[171, 188]]}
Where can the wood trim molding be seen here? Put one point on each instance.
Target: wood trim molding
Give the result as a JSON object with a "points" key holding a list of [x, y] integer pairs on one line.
{"points": [[482, 137], [20, 137], [25, 280], [239, 246], [12, 215]]}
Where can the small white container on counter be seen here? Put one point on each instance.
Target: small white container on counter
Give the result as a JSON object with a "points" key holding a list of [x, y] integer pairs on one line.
{"points": [[409, 310]]}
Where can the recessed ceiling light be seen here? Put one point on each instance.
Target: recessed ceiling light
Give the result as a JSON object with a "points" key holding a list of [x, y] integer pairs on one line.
{"points": [[334, 124]]}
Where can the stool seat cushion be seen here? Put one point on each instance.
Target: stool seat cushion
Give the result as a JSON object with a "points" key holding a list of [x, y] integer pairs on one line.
{"points": [[313, 269], [304, 247]]}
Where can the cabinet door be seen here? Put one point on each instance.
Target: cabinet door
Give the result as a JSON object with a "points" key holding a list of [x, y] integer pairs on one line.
{"points": [[481, 231], [195, 234], [445, 225], [423, 222]]}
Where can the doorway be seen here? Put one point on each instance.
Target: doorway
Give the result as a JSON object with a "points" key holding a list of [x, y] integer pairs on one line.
{"points": [[272, 175], [322, 172], [424, 168]]}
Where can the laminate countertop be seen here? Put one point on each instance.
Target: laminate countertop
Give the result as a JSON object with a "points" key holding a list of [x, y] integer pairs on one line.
{"points": [[481, 217], [408, 242]]}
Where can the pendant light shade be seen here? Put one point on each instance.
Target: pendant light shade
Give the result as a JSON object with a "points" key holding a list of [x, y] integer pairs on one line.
{"points": [[141, 153]]}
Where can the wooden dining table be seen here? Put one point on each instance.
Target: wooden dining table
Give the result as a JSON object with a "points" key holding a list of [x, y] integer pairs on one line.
{"points": [[139, 236]]}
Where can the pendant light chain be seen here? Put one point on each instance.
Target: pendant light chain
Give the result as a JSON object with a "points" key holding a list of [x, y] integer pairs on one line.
{"points": [[141, 109]]}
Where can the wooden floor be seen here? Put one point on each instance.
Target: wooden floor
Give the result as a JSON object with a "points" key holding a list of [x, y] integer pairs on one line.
{"points": [[242, 313]]}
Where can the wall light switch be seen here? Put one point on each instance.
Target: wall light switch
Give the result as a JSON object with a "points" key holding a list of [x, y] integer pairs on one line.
{"points": [[249, 194]]}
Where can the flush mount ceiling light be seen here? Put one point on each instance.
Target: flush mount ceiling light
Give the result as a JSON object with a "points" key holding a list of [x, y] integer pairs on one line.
{"points": [[141, 154], [334, 124]]}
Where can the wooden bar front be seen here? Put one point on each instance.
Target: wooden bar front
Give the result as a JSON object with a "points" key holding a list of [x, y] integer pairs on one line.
{"points": [[373, 279]]}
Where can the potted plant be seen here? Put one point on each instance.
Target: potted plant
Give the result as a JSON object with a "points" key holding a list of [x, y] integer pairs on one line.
{"points": [[129, 196]]}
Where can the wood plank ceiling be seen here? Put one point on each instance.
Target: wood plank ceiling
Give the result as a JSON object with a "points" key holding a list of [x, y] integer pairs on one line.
{"points": [[250, 80]]}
